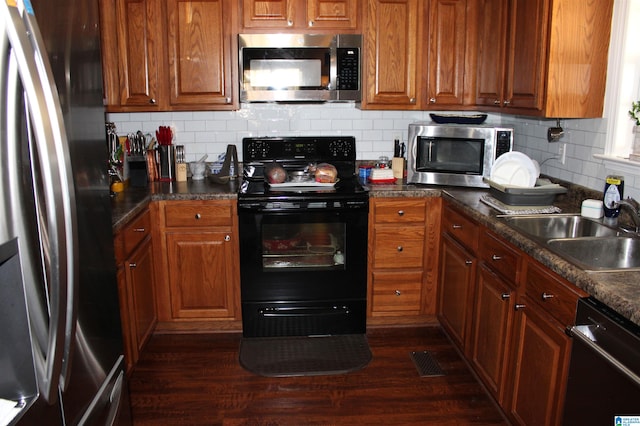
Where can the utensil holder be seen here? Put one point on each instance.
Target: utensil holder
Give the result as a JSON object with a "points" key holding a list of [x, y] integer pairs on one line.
{"points": [[167, 163]]}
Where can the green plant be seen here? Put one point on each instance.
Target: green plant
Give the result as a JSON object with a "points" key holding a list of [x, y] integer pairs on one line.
{"points": [[634, 112]]}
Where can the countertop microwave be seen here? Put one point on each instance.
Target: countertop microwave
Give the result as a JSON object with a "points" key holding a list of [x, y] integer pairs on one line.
{"points": [[454, 154], [300, 67]]}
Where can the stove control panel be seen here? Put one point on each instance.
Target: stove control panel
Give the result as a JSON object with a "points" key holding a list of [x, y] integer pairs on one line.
{"points": [[308, 148]]}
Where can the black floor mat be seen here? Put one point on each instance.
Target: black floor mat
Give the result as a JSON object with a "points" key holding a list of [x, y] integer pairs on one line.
{"points": [[304, 356], [426, 364]]}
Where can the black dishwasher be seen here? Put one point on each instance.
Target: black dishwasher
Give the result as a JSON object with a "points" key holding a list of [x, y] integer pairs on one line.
{"points": [[604, 376]]}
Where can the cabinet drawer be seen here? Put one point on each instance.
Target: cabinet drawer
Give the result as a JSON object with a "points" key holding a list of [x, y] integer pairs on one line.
{"points": [[500, 257], [396, 291], [136, 231], [194, 214], [460, 228], [398, 247], [400, 211], [555, 295]]}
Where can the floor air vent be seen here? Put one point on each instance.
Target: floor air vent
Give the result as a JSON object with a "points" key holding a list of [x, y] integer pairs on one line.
{"points": [[425, 363]]}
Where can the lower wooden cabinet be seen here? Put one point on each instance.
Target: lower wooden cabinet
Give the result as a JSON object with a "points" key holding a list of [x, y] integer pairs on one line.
{"points": [[199, 275], [136, 285], [403, 240]]}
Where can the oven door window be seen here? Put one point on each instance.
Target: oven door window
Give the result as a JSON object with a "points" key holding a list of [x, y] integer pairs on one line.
{"points": [[450, 155], [286, 69], [315, 246]]}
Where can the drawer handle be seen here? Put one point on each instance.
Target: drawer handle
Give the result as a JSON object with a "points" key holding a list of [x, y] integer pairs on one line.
{"points": [[400, 212], [398, 292], [505, 296], [468, 262], [547, 296], [198, 216], [455, 226], [227, 237], [519, 306], [133, 265], [138, 229], [400, 249], [496, 257]]}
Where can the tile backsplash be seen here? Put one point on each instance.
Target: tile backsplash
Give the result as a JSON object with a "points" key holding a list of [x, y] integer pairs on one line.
{"points": [[209, 132]]}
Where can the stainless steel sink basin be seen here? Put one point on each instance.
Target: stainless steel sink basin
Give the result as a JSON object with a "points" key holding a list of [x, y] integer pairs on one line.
{"points": [[548, 227], [599, 254]]}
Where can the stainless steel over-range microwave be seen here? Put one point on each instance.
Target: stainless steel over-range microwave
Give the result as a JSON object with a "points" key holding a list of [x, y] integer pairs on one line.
{"points": [[299, 67], [454, 154]]}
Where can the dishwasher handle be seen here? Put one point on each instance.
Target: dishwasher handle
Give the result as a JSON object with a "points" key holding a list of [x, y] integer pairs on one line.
{"points": [[584, 335]]}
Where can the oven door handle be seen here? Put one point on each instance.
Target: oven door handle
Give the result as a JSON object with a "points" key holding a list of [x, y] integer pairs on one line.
{"points": [[586, 336], [304, 311]]}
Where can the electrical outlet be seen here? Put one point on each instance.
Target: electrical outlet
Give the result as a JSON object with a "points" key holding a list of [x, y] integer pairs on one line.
{"points": [[562, 153]]}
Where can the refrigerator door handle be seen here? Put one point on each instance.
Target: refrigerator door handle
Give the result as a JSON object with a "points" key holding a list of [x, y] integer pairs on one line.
{"points": [[56, 223]]}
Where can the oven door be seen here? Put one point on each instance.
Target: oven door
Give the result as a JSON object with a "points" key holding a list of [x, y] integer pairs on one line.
{"points": [[303, 263]]}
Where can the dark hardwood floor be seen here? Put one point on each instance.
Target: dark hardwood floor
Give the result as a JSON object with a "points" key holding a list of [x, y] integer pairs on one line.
{"points": [[196, 380]]}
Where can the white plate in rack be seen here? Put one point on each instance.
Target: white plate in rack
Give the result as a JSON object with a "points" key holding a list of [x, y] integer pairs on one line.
{"points": [[516, 169]]}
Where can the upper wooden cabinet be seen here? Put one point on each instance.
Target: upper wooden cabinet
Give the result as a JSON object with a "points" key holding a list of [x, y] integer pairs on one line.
{"points": [[300, 15], [163, 55], [447, 61], [544, 58], [392, 42], [202, 52]]}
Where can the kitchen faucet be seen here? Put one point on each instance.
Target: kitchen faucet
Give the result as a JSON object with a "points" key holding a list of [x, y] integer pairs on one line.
{"points": [[634, 207]]}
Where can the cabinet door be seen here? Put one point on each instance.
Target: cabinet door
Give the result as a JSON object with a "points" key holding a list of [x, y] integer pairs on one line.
{"points": [[332, 14], [201, 278], [268, 13], [143, 314], [492, 323], [490, 48], [392, 44], [457, 275], [200, 52], [526, 53], [139, 47], [539, 366], [446, 60]]}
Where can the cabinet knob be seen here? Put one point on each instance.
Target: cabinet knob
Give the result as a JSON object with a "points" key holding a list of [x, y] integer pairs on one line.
{"points": [[496, 102], [138, 229], [400, 248], [311, 23], [468, 262], [133, 265], [227, 237], [432, 100], [412, 100], [290, 23], [519, 306], [505, 103], [454, 226], [198, 216], [227, 100], [398, 292], [496, 257], [547, 296], [505, 296], [400, 212], [152, 101]]}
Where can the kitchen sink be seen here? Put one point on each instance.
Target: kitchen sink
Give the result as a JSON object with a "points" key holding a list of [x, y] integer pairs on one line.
{"points": [[599, 254], [548, 227]]}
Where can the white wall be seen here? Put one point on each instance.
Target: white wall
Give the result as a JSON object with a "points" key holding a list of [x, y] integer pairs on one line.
{"points": [[210, 132]]}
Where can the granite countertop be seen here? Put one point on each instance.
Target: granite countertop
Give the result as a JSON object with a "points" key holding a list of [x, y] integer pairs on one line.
{"points": [[619, 290]]}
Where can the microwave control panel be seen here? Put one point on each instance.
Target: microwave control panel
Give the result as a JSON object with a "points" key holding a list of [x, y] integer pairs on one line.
{"points": [[348, 66], [504, 141]]}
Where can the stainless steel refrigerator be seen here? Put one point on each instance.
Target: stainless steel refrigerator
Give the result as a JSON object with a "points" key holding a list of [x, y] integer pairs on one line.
{"points": [[61, 349]]}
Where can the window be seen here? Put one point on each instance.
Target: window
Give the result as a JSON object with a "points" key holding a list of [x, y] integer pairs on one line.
{"points": [[623, 82]]}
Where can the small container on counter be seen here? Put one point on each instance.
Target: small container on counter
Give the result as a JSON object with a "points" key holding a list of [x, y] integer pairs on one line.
{"points": [[364, 171], [592, 209]]}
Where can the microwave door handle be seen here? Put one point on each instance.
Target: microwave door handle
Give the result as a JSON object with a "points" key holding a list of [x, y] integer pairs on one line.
{"points": [[430, 151]]}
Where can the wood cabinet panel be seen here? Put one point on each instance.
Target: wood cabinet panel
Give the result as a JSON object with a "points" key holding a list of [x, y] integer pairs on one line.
{"points": [[396, 247], [541, 352], [492, 324], [397, 292], [456, 290], [267, 13], [333, 14], [299, 15], [461, 228], [199, 274], [504, 259], [200, 49], [186, 214], [490, 51], [447, 52], [400, 211], [392, 42]]}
